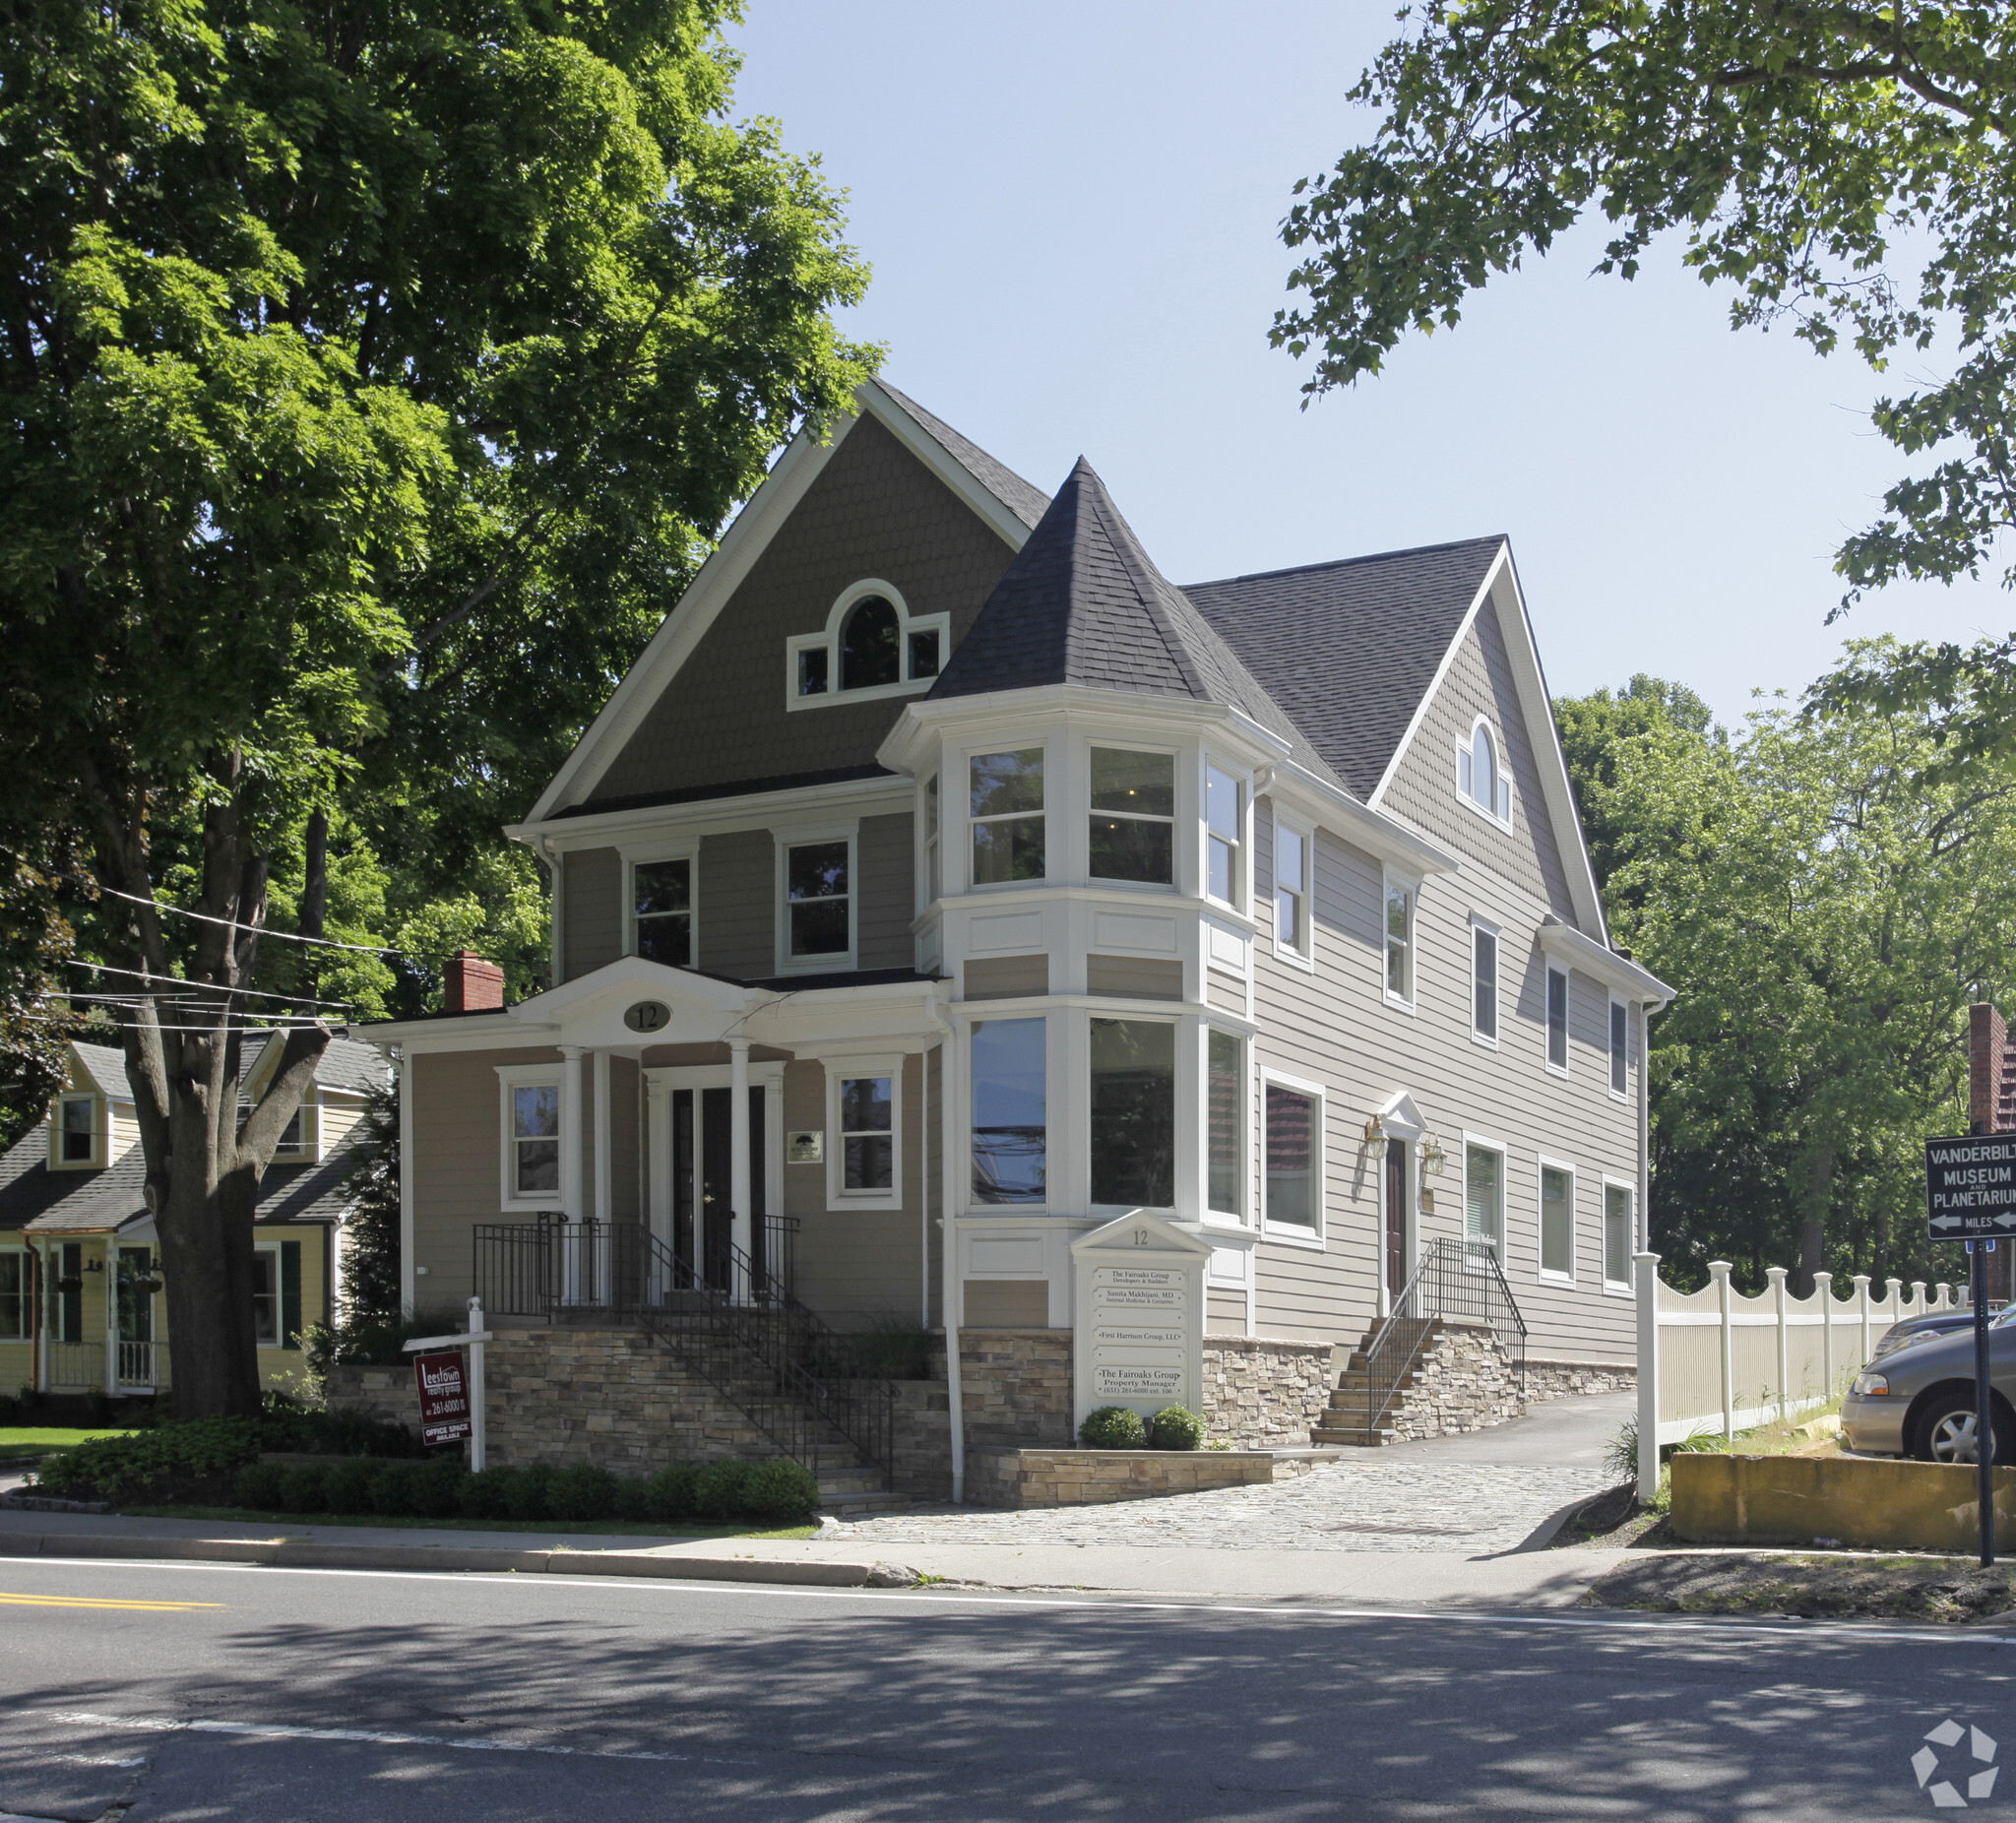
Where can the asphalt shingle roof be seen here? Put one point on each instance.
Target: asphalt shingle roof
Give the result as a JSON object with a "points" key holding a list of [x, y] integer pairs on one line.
{"points": [[1024, 500], [1348, 649], [106, 1067]]}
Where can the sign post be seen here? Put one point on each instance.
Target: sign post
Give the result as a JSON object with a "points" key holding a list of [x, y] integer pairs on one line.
{"points": [[452, 1401], [1971, 1196]]}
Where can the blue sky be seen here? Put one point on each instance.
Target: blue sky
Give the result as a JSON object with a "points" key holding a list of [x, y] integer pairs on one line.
{"points": [[1072, 213]]}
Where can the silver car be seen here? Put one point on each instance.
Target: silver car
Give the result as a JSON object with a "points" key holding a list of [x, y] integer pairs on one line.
{"points": [[1939, 1322], [1919, 1400]]}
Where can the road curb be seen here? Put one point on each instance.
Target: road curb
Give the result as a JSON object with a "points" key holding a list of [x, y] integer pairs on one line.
{"points": [[308, 1555]]}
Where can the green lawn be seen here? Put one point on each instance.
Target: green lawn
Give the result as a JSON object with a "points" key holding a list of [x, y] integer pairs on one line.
{"points": [[41, 1439], [619, 1528]]}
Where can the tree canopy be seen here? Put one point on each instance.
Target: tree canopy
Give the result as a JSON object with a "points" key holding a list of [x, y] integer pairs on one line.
{"points": [[374, 377], [1810, 155]]}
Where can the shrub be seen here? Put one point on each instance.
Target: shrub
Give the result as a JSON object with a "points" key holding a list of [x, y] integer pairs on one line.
{"points": [[258, 1485], [527, 1499], [722, 1489], [172, 1459], [348, 1487], [305, 1489], [584, 1491], [394, 1488], [670, 1493], [486, 1495], [436, 1487], [631, 1500], [780, 1490], [1112, 1427], [1173, 1428]]}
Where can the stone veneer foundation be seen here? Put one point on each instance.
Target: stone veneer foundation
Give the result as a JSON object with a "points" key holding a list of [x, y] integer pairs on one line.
{"points": [[1545, 1381], [999, 1478], [1459, 1381], [1264, 1395]]}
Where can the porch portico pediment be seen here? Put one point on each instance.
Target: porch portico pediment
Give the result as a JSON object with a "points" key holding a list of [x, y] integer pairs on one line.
{"points": [[632, 1001]]}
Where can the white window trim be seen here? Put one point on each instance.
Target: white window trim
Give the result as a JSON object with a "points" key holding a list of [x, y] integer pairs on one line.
{"points": [[280, 1299], [1465, 749], [838, 1197], [1389, 879], [930, 842], [27, 1315], [1547, 1022], [1175, 820], [1054, 1013], [309, 1152], [1541, 1270], [967, 822], [1497, 936], [1128, 1013], [1485, 1142], [1616, 1288], [100, 1137], [798, 837], [1291, 1233], [1242, 884], [512, 1076], [906, 624], [1241, 1218], [633, 858], [1622, 1094], [1304, 957]]}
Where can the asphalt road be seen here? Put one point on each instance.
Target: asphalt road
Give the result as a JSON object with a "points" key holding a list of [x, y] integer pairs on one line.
{"points": [[202, 1692]]}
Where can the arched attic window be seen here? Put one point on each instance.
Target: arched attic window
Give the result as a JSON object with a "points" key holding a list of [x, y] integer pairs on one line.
{"points": [[871, 644], [1481, 773]]}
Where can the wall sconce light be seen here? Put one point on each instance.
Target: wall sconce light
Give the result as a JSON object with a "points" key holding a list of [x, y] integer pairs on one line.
{"points": [[1375, 1139], [1432, 1156], [94, 1265]]}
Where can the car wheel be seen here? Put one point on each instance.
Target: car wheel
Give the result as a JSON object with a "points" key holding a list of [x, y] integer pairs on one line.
{"points": [[1946, 1431]]}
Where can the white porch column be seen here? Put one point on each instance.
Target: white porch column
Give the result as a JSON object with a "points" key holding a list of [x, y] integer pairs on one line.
{"points": [[572, 1092], [738, 1151], [658, 1148], [112, 1317], [604, 1158]]}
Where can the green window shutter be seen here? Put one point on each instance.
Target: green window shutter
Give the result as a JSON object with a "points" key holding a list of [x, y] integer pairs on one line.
{"points": [[73, 1301], [290, 1295]]}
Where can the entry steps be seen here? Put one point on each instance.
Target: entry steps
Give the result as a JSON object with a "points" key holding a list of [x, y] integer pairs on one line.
{"points": [[1349, 1418]]}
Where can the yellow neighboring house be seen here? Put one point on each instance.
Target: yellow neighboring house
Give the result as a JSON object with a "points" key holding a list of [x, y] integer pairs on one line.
{"points": [[81, 1303]]}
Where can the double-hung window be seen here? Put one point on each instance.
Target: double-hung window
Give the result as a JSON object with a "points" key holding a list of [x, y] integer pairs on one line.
{"points": [[1290, 889], [1225, 825], [662, 904], [1621, 1050], [1484, 984], [868, 1135], [1225, 1110], [78, 1131], [1617, 1211], [532, 1152], [1010, 1111], [15, 1314], [1006, 806], [265, 1297], [1558, 1020], [1134, 1113], [1132, 835], [1484, 1198], [1295, 1158], [818, 896], [1557, 1221], [1399, 943]]}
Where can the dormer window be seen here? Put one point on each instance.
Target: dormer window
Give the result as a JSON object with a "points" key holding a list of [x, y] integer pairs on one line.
{"points": [[1481, 775], [76, 1129], [872, 646]]}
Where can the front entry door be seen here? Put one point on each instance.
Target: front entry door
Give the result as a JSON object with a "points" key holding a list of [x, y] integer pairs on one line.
{"points": [[703, 1205], [1396, 1220]]}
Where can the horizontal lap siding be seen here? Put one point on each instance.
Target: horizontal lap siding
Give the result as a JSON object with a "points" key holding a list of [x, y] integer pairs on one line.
{"points": [[738, 904], [592, 925]]}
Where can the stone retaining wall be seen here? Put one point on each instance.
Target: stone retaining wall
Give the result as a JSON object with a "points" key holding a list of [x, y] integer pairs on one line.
{"points": [[387, 1394], [1000, 1477], [1261, 1393], [1014, 1385], [1545, 1381], [1461, 1381]]}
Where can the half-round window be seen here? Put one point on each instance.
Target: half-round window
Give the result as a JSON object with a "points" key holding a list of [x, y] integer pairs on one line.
{"points": [[870, 644]]}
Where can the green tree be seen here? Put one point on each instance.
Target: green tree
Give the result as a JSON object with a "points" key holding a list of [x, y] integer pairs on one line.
{"points": [[374, 377], [1806, 154], [1826, 911]]}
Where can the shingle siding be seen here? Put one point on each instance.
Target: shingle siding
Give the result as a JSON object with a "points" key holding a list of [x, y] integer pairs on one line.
{"points": [[739, 904], [884, 861], [591, 923]]}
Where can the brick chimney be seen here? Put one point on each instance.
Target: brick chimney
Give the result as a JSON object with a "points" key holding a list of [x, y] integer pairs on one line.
{"points": [[1987, 1051], [478, 986]]}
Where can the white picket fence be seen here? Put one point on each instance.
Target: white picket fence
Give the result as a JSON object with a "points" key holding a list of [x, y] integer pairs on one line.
{"points": [[1717, 1361]]}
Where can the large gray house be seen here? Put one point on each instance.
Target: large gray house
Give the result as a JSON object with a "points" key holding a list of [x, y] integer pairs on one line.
{"points": [[958, 917]]}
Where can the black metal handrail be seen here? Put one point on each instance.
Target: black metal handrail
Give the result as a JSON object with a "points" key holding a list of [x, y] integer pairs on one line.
{"points": [[1451, 1278], [731, 1318]]}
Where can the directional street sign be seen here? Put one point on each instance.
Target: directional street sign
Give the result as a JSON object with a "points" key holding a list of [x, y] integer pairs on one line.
{"points": [[1970, 1187]]}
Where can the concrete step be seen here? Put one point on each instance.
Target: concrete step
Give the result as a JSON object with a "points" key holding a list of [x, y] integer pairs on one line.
{"points": [[843, 1483], [1355, 1436], [863, 1506]]}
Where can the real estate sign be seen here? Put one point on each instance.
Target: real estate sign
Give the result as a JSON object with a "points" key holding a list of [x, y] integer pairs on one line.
{"points": [[1970, 1187], [444, 1396]]}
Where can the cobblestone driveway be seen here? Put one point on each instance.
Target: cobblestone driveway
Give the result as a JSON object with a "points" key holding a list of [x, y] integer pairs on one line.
{"points": [[1416, 1506]]}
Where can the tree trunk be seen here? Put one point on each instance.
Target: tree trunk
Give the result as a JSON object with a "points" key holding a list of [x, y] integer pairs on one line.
{"points": [[1814, 1233]]}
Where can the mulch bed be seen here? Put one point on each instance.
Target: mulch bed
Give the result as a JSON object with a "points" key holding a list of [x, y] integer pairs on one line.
{"points": [[1812, 1588]]}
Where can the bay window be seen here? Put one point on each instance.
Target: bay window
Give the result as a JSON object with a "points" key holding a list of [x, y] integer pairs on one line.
{"points": [[1225, 1107], [1006, 806], [1133, 816], [1010, 1111], [1224, 835], [1134, 1113]]}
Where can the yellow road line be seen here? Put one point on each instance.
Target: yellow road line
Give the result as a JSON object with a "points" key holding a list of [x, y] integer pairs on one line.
{"points": [[65, 1601]]}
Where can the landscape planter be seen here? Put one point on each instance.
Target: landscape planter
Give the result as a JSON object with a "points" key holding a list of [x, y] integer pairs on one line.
{"points": [[1009, 1478], [1867, 1502]]}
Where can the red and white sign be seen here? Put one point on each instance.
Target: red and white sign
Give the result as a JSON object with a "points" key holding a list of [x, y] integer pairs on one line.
{"points": [[444, 1397]]}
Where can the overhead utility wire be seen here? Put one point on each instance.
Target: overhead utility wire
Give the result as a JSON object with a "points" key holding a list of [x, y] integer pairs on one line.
{"points": [[208, 987]]}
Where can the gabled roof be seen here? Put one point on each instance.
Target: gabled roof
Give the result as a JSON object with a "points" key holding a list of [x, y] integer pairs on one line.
{"points": [[107, 1068], [1351, 649], [344, 1065], [1023, 498], [1083, 604]]}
